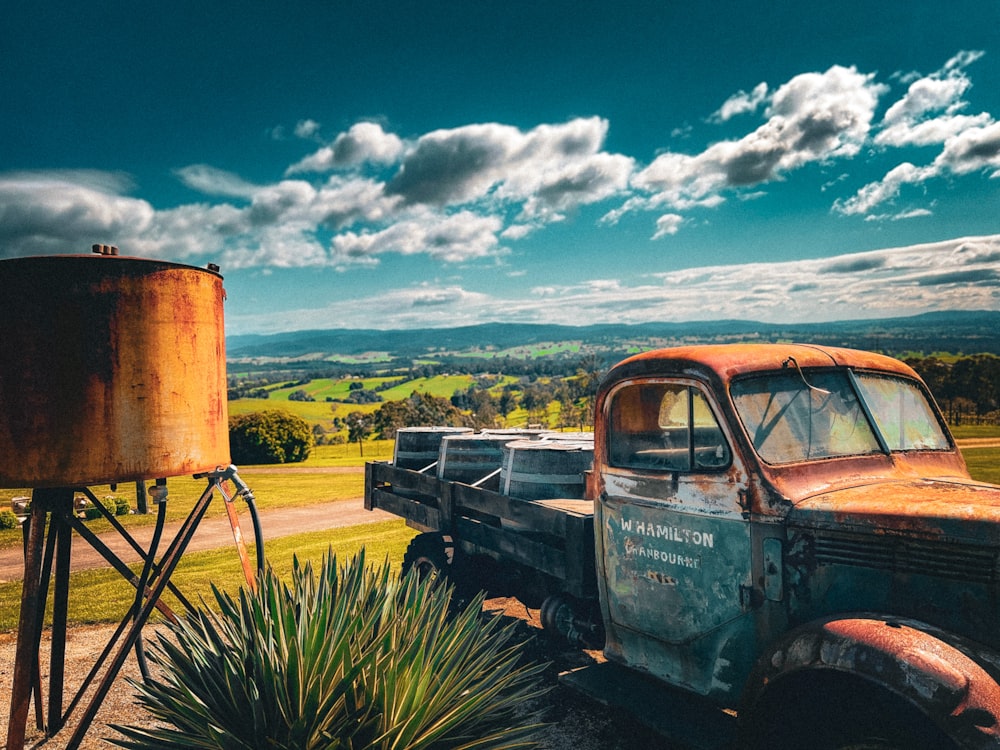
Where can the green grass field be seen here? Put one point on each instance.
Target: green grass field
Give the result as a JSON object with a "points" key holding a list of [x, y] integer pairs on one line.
{"points": [[273, 487], [976, 431], [442, 386], [101, 595], [323, 412], [983, 463]]}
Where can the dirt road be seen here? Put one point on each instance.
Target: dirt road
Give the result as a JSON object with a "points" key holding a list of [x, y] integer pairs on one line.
{"points": [[212, 533]]}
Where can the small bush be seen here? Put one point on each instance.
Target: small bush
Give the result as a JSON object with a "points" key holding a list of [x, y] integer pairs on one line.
{"points": [[116, 506], [351, 658], [91, 513], [7, 519], [269, 437]]}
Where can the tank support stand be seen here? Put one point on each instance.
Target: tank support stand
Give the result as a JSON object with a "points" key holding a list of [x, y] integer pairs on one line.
{"points": [[48, 535]]}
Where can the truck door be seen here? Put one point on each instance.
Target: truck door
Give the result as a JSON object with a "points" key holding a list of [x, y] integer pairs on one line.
{"points": [[675, 537]]}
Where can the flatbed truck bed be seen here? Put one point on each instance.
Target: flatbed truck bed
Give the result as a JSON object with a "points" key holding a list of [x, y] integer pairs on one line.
{"points": [[552, 537]]}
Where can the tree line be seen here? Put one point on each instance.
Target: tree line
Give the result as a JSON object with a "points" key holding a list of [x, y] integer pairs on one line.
{"points": [[967, 388]]}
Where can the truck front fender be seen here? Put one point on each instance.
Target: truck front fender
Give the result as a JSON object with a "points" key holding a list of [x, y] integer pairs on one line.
{"points": [[949, 680]]}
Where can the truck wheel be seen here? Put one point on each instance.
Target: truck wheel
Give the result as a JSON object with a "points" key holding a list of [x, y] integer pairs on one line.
{"points": [[839, 712], [573, 620], [430, 554], [892, 735]]}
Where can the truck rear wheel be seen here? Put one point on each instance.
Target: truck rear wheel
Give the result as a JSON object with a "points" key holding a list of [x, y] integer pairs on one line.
{"points": [[430, 554], [576, 621]]}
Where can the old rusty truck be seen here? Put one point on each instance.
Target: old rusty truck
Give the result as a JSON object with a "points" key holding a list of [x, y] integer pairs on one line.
{"points": [[778, 544]]}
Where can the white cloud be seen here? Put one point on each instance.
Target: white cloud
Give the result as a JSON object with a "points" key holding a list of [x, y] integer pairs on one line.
{"points": [[548, 170], [364, 142], [929, 114], [814, 117], [668, 224], [517, 231], [960, 274], [455, 195], [306, 129], [915, 213], [343, 202], [212, 181], [456, 238], [886, 189], [974, 149], [929, 132], [422, 305], [740, 103], [67, 212]]}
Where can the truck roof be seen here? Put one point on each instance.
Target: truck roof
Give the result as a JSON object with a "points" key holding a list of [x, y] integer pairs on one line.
{"points": [[718, 364], [728, 361]]}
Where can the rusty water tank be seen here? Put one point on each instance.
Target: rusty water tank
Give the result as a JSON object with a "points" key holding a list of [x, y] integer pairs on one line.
{"points": [[112, 369]]}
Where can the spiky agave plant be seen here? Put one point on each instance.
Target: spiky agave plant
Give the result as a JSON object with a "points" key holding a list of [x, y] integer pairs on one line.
{"points": [[353, 658]]}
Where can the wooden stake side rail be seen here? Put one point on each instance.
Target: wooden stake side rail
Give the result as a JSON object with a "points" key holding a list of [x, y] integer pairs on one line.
{"points": [[555, 537]]}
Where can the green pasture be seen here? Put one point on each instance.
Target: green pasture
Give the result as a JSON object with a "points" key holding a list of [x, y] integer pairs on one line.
{"points": [[983, 463], [348, 454], [442, 386], [314, 412], [102, 595], [523, 352], [324, 388], [323, 412], [274, 487], [971, 431]]}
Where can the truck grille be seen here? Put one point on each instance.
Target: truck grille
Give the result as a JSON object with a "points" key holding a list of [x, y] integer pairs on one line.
{"points": [[909, 556]]}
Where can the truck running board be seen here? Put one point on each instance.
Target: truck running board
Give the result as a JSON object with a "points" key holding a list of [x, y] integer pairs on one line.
{"points": [[692, 723]]}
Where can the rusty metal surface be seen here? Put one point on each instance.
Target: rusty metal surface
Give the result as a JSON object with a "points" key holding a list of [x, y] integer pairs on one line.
{"points": [[942, 673], [952, 511], [777, 487], [732, 360], [112, 369], [703, 570]]}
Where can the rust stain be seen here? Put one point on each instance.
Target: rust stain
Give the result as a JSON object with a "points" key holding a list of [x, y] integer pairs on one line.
{"points": [[773, 490], [113, 369]]}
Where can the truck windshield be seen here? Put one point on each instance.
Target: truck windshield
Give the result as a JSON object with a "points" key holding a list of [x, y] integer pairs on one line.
{"points": [[795, 416]]}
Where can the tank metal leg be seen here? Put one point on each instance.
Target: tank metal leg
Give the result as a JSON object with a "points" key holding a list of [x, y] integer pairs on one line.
{"points": [[48, 537]]}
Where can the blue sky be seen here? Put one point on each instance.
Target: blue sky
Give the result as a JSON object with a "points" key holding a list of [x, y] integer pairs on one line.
{"points": [[398, 164]]}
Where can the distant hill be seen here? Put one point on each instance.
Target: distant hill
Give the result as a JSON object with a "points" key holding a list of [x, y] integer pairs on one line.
{"points": [[954, 332]]}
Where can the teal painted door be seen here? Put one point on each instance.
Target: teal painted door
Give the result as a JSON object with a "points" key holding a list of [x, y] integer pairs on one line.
{"points": [[676, 539]]}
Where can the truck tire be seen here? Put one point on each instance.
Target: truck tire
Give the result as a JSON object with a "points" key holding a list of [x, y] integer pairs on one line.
{"points": [[840, 712], [430, 554], [575, 621]]}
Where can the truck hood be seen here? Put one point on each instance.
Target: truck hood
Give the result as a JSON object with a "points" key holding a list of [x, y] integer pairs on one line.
{"points": [[942, 509]]}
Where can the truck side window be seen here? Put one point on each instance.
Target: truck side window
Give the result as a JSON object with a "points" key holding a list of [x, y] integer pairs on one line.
{"points": [[664, 426]]}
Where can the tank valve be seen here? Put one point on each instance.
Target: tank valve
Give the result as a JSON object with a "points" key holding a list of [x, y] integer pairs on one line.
{"points": [[159, 491], [104, 249]]}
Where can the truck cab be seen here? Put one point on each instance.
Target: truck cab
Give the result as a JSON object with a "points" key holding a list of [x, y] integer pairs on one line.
{"points": [[789, 531]]}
